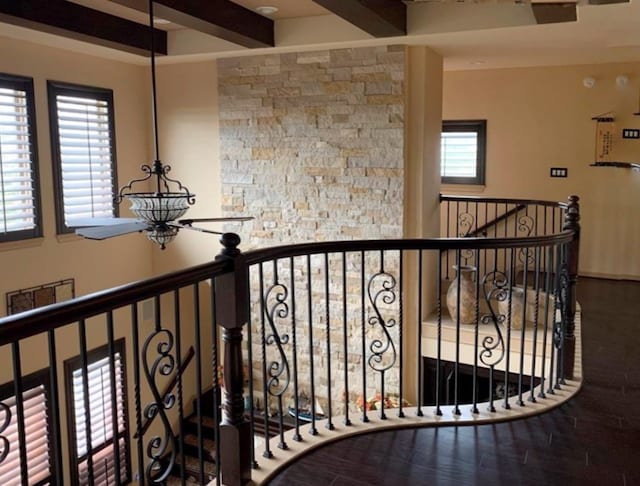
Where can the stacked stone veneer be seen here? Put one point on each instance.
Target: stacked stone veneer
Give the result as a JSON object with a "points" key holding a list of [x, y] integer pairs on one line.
{"points": [[312, 146]]}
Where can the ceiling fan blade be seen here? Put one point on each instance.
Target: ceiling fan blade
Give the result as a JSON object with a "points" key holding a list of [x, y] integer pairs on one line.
{"points": [[215, 220], [103, 232], [82, 222], [195, 228], [555, 12]]}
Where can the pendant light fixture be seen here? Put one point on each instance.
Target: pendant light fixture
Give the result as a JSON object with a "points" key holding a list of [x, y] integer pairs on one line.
{"points": [[164, 204]]}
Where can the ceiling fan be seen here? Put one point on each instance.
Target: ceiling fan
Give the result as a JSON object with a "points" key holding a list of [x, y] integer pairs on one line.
{"points": [[157, 212]]}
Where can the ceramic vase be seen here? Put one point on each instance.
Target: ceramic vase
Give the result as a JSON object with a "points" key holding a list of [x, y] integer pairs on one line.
{"points": [[467, 300]]}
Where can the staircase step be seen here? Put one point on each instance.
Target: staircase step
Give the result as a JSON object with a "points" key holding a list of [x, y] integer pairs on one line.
{"points": [[208, 426], [192, 470], [208, 447]]}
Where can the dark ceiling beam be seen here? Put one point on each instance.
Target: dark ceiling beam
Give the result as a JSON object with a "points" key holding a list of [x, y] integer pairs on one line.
{"points": [[554, 13], [606, 2], [379, 18], [74, 21], [219, 18]]}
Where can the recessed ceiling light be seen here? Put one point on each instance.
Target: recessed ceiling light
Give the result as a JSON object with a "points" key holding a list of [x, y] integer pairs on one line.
{"points": [[478, 62], [266, 10], [161, 21]]}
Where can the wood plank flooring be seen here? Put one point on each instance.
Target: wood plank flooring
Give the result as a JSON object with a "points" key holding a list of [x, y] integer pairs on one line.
{"points": [[592, 440]]}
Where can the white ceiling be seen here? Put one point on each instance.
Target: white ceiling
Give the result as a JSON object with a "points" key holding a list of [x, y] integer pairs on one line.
{"points": [[470, 35]]}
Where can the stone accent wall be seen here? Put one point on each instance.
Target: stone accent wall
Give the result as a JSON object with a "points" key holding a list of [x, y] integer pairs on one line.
{"points": [[312, 146]]}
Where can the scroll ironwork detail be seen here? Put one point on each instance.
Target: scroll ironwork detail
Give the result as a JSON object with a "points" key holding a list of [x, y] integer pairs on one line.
{"points": [[495, 286], [381, 291], [161, 449], [5, 446], [278, 369]]}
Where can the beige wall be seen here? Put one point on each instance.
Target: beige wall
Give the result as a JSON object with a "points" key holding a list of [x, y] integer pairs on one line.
{"points": [[93, 265], [539, 118], [188, 128]]}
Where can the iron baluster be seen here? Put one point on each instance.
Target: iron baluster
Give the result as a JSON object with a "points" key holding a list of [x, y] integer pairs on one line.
{"points": [[420, 370], [345, 350], [438, 410], [114, 398], [294, 349], [524, 324], [400, 334], [365, 418], [85, 391], [196, 338], [139, 436], [178, 334], [509, 321], [495, 286], [312, 430], [381, 291], [476, 332], [329, 424], [456, 366], [263, 341], [278, 372], [549, 270], [536, 318], [56, 434]]}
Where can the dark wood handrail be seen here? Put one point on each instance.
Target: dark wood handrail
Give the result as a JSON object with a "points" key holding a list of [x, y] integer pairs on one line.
{"points": [[482, 229], [476, 199], [443, 244], [30, 323]]}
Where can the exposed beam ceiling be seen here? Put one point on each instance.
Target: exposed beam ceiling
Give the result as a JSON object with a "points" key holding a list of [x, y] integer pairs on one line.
{"points": [[219, 18], [81, 23], [380, 18], [553, 13]]}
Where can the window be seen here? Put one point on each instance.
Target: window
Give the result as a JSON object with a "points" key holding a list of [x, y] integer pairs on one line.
{"points": [[83, 151], [37, 427], [106, 402], [19, 196], [463, 148]]}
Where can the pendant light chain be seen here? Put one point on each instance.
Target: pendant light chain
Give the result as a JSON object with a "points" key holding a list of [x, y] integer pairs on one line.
{"points": [[153, 84]]}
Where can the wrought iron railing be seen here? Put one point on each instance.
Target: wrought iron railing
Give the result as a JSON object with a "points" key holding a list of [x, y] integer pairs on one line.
{"points": [[315, 337]]}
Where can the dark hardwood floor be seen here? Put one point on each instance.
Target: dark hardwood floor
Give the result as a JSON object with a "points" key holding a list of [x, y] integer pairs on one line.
{"points": [[593, 439]]}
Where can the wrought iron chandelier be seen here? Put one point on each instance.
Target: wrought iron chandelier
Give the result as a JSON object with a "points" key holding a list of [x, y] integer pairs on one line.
{"points": [[163, 205]]}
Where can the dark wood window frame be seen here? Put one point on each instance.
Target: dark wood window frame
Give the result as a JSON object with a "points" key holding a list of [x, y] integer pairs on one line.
{"points": [[55, 89], [480, 128], [74, 364], [25, 84], [31, 381]]}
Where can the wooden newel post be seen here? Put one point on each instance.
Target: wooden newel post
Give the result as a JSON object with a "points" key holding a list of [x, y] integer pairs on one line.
{"points": [[232, 315], [571, 222]]}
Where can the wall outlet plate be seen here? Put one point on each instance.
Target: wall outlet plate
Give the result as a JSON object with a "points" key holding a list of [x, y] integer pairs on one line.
{"points": [[558, 172], [631, 133]]}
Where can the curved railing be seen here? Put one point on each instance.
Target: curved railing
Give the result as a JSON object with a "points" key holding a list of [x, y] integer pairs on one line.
{"points": [[320, 340]]}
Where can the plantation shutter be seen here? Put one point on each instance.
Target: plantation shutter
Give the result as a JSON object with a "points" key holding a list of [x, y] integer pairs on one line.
{"points": [[459, 154], [85, 153], [18, 162], [101, 421], [37, 439]]}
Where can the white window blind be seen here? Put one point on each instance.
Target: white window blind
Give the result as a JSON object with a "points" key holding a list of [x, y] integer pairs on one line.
{"points": [[101, 421], [37, 439], [86, 158], [17, 177], [459, 151]]}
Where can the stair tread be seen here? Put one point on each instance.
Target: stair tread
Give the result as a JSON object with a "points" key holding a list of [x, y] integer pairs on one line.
{"points": [[208, 444], [206, 421]]}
